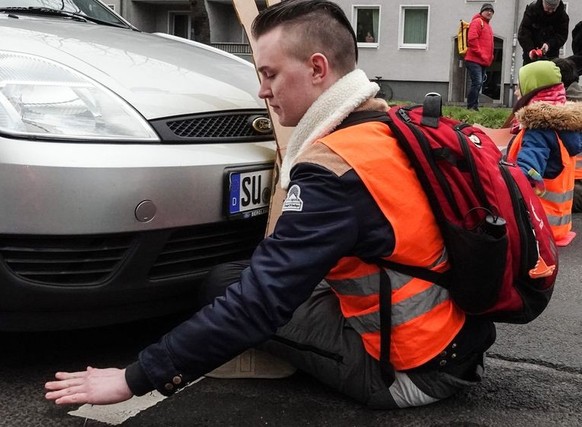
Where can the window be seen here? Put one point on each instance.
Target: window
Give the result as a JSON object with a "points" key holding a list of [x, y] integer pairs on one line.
{"points": [[414, 27], [180, 24], [366, 21]]}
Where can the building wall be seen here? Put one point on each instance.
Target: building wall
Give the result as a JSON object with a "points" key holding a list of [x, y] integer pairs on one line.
{"points": [[154, 16], [224, 23], [438, 61], [408, 71]]}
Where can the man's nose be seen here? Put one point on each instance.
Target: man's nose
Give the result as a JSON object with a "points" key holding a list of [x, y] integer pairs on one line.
{"points": [[264, 91]]}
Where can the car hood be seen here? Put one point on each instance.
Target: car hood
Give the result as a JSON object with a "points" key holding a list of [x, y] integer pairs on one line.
{"points": [[159, 75]]}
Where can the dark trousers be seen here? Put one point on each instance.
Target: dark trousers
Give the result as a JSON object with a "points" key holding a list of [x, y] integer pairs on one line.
{"points": [[319, 341], [577, 206], [477, 76]]}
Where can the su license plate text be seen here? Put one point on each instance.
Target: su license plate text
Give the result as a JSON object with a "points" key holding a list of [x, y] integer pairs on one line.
{"points": [[249, 192]]}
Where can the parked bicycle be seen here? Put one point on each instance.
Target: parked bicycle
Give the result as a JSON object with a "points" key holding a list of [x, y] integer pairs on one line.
{"points": [[385, 91]]}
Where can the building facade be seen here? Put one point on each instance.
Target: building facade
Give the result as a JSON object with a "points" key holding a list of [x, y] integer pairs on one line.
{"points": [[410, 45]]}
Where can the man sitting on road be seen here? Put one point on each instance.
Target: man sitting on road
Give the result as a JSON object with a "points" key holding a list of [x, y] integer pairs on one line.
{"points": [[311, 292]]}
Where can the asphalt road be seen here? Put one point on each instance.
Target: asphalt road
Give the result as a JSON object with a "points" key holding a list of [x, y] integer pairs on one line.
{"points": [[534, 378]]}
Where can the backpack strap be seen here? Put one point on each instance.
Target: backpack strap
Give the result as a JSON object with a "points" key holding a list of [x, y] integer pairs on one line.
{"points": [[386, 366], [432, 111], [359, 117], [441, 279], [432, 108]]}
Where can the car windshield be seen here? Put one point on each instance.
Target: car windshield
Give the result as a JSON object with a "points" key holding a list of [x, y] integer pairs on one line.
{"points": [[90, 10]]}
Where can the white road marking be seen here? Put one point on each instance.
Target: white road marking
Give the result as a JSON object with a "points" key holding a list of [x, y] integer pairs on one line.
{"points": [[119, 412]]}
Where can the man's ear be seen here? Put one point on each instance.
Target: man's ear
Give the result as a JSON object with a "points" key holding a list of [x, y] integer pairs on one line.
{"points": [[320, 67]]}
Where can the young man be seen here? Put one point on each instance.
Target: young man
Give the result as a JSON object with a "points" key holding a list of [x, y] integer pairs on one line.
{"points": [[352, 199], [543, 30], [479, 54]]}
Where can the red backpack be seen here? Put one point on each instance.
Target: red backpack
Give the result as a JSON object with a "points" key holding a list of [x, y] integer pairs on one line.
{"points": [[503, 257]]}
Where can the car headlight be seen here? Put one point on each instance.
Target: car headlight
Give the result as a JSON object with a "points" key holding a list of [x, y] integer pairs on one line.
{"points": [[44, 99]]}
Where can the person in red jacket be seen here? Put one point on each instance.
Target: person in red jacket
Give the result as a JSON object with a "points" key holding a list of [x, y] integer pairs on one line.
{"points": [[479, 54]]}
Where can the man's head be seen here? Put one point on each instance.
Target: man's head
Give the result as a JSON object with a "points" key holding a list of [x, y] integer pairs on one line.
{"points": [[487, 10], [550, 6], [303, 47]]}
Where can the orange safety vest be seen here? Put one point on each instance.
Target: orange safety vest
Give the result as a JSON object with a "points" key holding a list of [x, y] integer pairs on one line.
{"points": [[559, 196], [424, 318], [578, 172]]}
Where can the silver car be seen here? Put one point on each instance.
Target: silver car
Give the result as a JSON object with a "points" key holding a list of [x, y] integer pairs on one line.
{"points": [[130, 163]]}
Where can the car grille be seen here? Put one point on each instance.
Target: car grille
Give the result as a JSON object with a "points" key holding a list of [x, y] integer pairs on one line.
{"points": [[73, 261], [64, 261], [220, 127], [192, 251]]}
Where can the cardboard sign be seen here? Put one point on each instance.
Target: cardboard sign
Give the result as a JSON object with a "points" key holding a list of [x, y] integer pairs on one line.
{"points": [[246, 11], [501, 137]]}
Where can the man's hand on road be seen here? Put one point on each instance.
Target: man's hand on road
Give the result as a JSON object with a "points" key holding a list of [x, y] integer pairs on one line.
{"points": [[94, 386]]}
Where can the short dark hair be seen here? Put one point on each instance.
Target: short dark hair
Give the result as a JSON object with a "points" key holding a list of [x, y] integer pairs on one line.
{"points": [[322, 26], [567, 70]]}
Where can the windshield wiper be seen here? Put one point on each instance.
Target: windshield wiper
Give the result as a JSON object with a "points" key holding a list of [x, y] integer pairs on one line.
{"points": [[56, 12]]}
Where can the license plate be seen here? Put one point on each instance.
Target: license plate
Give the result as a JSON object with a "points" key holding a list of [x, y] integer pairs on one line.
{"points": [[249, 192]]}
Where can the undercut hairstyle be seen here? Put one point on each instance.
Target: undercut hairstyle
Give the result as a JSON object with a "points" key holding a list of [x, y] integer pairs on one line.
{"points": [[313, 26]]}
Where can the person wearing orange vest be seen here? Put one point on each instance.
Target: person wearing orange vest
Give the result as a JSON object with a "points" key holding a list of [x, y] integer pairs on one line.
{"points": [[577, 206], [549, 139], [569, 68], [310, 294]]}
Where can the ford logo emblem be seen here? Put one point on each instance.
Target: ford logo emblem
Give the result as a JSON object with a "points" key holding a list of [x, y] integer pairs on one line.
{"points": [[262, 125]]}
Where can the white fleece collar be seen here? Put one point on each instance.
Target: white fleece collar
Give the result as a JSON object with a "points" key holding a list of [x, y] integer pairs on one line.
{"points": [[326, 113]]}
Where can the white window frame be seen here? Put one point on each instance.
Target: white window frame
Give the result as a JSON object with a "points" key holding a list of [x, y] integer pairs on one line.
{"points": [[111, 6], [401, 44], [171, 20], [355, 9]]}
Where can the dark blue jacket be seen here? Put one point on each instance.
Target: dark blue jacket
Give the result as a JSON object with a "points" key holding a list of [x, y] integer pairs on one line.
{"points": [[339, 218], [541, 152]]}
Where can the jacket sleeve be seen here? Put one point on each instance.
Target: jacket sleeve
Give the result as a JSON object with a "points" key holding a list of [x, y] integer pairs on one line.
{"points": [[537, 148], [560, 35], [475, 30], [283, 272], [577, 39], [524, 33]]}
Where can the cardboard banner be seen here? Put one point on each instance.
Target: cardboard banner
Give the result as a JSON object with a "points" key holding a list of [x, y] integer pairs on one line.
{"points": [[246, 11], [501, 137]]}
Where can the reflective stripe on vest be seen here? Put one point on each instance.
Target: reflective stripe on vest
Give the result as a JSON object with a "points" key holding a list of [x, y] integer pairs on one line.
{"points": [[559, 196], [402, 312], [424, 319]]}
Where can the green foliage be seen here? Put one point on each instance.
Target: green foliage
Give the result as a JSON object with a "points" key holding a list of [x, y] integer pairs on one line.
{"points": [[491, 117], [486, 116]]}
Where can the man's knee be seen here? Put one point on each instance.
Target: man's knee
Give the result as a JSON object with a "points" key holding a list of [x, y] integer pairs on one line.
{"points": [[219, 278]]}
